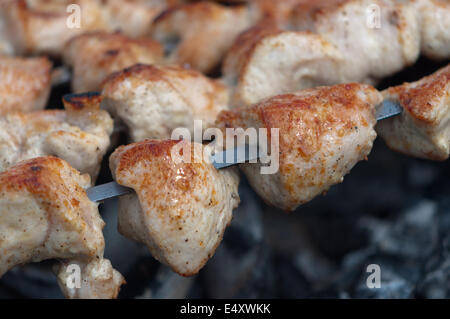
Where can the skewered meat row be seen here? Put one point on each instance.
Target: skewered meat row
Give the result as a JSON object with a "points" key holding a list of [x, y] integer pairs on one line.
{"points": [[44, 26], [423, 129], [79, 135], [45, 214], [24, 83], [316, 125], [180, 209], [266, 61], [153, 101], [101, 271], [94, 56]]}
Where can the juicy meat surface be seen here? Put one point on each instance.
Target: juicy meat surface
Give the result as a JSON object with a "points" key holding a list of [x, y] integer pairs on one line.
{"points": [[94, 56], [152, 101], [79, 135], [24, 84], [423, 128], [181, 208], [199, 34], [323, 133], [45, 214], [265, 61], [41, 26]]}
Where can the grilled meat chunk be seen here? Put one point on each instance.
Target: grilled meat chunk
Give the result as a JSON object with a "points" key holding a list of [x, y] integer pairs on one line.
{"points": [[134, 17], [45, 214], [44, 26], [24, 84], [182, 204], [265, 61], [333, 42], [323, 133], [199, 34], [435, 26], [152, 101], [79, 135], [94, 56], [378, 38], [423, 128]]}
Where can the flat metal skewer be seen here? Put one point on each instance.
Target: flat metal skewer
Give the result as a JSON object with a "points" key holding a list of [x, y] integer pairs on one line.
{"points": [[239, 155]]}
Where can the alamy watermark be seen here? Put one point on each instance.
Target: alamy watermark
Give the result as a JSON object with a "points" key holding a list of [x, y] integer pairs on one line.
{"points": [[373, 16], [73, 21], [374, 279], [73, 279]]}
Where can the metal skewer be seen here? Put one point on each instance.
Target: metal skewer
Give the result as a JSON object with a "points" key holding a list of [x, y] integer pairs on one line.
{"points": [[109, 190]]}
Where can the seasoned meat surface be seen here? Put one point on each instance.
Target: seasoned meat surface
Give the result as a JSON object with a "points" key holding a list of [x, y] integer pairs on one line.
{"points": [[182, 203], [323, 133]]}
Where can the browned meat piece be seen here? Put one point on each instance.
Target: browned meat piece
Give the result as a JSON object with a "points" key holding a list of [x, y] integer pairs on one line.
{"points": [[435, 26], [323, 133], [94, 56], [180, 210], [199, 34], [24, 84], [265, 61], [40, 26], [152, 101], [371, 51], [423, 129], [45, 214], [79, 135]]}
